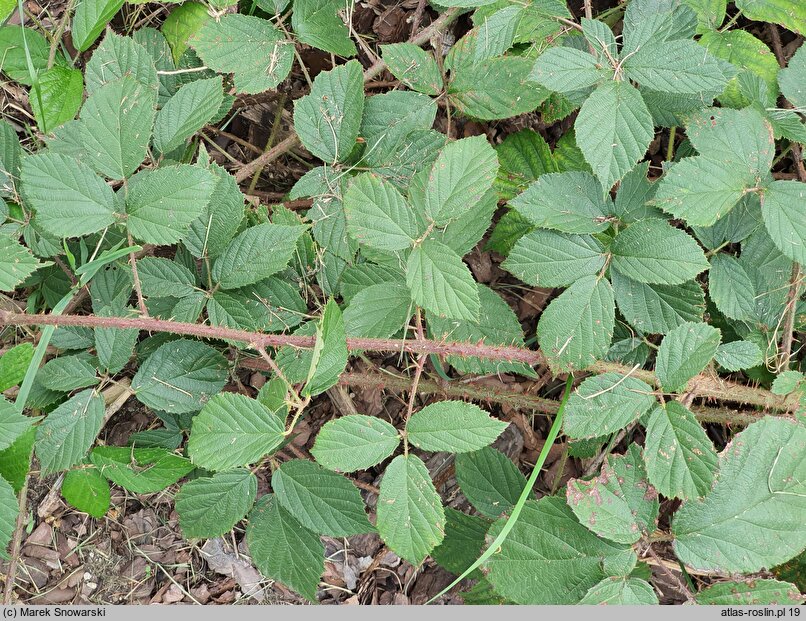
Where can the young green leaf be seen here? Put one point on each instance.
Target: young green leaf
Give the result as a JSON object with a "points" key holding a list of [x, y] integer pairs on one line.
{"points": [[680, 459], [414, 67], [606, 403], [180, 376], [12, 423], [489, 480], [211, 506], [575, 330], [619, 504], [283, 549], [411, 519], [68, 432], [90, 19], [86, 490], [231, 431], [140, 470], [329, 353], [684, 352], [184, 21], [13, 365], [354, 442], [57, 97], [453, 426], [184, 114], [317, 23], [752, 517], [324, 502]]}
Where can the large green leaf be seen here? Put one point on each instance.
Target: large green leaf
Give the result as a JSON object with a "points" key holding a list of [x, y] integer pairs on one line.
{"points": [[9, 509], [621, 591], [184, 21], [180, 376], [453, 426], [411, 519], [684, 352], [190, 109], [213, 230], [753, 516], [378, 215], [657, 308], [328, 119], [783, 217], [68, 432], [549, 557], [414, 67], [162, 203], [211, 506], [14, 363], [613, 130], [575, 330], [16, 263], [67, 373], [12, 423], [245, 260], [464, 538], [232, 430], [379, 311], [731, 288], [618, 504], [57, 97], [605, 403], [329, 357], [16, 459], [140, 470], [90, 19], [69, 198], [489, 480], [567, 69], [550, 259], [316, 23], [86, 490], [441, 283], [249, 47], [757, 592], [791, 79], [354, 442], [677, 67], [117, 57], [791, 16], [165, 278], [654, 252], [283, 549], [325, 502]]}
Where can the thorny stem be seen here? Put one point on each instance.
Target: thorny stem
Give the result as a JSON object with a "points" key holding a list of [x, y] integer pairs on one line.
{"points": [[141, 303], [707, 387], [418, 371]]}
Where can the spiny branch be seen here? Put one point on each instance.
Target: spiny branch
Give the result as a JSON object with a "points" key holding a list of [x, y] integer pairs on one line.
{"points": [[706, 386]]}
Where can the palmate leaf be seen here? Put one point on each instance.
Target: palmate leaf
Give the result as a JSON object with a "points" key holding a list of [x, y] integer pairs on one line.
{"points": [[752, 517], [232, 431], [324, 502], [68, 432], [453, 426], [411, 519], [69, 198], [550, 548], [328, 119], [283, 549], [354, 442], [211, 506], [576, 328], [684, 352], [680, 458], [613, 130], [490, 481]]}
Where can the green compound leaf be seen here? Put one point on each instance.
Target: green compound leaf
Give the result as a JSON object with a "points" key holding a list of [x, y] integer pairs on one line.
{"points": [[140, 470], [324, 502], [655, 252], [490, 481], [782, 206], [680, 459], [211, 506], [116, 126], [753, 516], [90, 19], [68, 432], [757, 592], [550, 548], [621, 591], [354, 442], [411, 519], [619, 504], [575, 330], [606, 403], [378, 215], [548, 259], [453, 426], [16, 264], [180, 376], [9, 508], [252, 49], [245, 260], [461, 174], [613, 130], [191, 108], [316, 23], [658, 309], [684, 352], [328, 119], [69, 198], [283, 549], [441, 283], [87, 490], [233, 430], [162, 203], [414, 67], [570, 202], [739, 355]]}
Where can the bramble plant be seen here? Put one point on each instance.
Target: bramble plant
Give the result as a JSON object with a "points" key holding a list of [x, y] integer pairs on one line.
{"points": [[661, 209]]}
